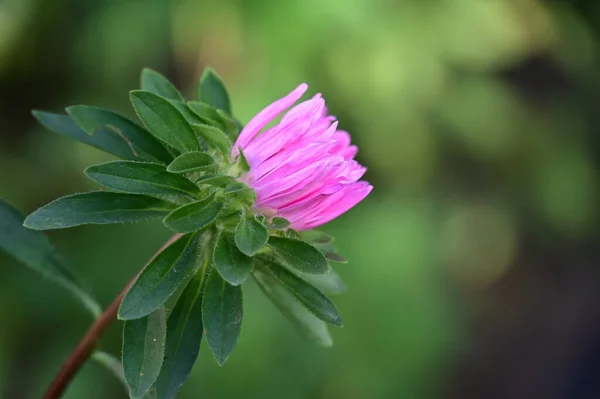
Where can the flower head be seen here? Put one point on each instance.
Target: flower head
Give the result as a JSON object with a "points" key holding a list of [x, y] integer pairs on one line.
{"points": [[302, 168]]}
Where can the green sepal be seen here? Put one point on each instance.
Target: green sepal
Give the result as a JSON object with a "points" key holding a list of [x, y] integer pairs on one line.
{"points": [[96, 207], [211, 90], [242, 161], [214, 136], [215, 180], [241, 192], [306, 323], [162, 277], [250, 236], [191, 162], [153, 81], [164, 121], [144, 146], [103, 138], [298, 255], [233, 265], [278, 223], [34, 250], [143, 351], [222, 314], [194, 216], [140, 178]]}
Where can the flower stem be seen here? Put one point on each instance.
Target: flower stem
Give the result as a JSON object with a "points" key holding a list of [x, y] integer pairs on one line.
{"points": [[86, 346]]}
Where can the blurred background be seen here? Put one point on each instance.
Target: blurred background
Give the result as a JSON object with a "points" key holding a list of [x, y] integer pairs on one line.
{"points": [[474, 265]]}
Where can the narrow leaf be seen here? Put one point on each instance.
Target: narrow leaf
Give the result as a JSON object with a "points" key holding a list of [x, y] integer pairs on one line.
{"points": [[194, 216], [184, 333], [330, 283], [163, 120], [140, 178], [142, 143], [156, 83], [299, 255], [33, 249], [250, 236], [213, 136], [305, 322], [161, 278], [96, 207], [191, 161], [212, 91], [222, 314], [230, 262], [334, 257], [143, 351], [312, 298], [103, 138]]}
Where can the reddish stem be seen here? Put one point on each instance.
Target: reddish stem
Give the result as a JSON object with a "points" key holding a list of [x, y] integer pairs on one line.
{"points": [[88, 343]]}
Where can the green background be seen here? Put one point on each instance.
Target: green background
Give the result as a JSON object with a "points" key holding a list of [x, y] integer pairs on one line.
{"points": [[473, 264]]}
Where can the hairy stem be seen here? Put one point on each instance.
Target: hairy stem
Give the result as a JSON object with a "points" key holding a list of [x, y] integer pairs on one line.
{"points": [[88, 343]]}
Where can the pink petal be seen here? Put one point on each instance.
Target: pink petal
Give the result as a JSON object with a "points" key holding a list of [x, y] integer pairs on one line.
{"points": [[265, 116]]}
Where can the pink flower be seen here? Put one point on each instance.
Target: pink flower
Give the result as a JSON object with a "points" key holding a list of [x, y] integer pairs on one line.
{"points": [[301, 169]]}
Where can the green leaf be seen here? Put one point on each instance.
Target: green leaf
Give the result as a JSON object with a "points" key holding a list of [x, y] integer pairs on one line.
{"points": [[205, 113], [250, 236], [161, 278], [305, 322], [212, 91], [141, 142], [214, 136], [232, 265], [187, 113], [140, 178], [330, 283], [291, 233], [222, 314], [191, 161], [33, 249], [215, 180], [184, 333], [334, 257], [312, 298], [229, 125], [163, 120], [299, 255], [194, 216], [96, 207], [112, 364], [143, 351], [104, 139], [156, 83], [278, 223], [316, 237]]}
